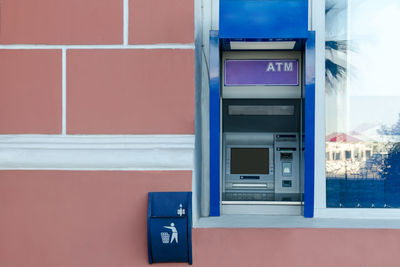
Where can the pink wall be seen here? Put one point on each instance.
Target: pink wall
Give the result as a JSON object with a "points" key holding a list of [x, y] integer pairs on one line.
{"points": [[296, 247], [114, 91], [61, 22], [78, 218], [154, 25], [93, 218], [98, 218], [130, 91], [30, 91]]}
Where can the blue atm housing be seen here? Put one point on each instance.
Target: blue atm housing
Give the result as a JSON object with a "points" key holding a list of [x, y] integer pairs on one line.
{"points": [[169, 227], [262, 21], [259, 19]]}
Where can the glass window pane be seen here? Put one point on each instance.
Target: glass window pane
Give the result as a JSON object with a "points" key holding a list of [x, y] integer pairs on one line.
{"points": [[362, 103]]}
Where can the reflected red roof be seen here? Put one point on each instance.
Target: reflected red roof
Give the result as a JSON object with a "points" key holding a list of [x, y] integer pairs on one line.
{"points": [[341, 137]]}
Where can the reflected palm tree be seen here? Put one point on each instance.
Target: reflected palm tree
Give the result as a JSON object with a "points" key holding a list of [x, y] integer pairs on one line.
{"points": [[334, 71]]}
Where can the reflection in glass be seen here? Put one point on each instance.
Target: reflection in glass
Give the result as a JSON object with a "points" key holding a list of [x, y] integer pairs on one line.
{"points": [[362, 103]]}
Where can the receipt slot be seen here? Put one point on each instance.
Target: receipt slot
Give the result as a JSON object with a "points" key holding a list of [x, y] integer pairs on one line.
{"points": [[169, 227]]}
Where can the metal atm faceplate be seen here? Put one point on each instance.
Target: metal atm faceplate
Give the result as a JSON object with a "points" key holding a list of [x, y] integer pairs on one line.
{"points": [[281, 181], [249, 181]]}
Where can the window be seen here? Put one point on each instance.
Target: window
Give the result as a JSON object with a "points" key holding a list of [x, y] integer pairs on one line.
{"points": [[362, 103]]}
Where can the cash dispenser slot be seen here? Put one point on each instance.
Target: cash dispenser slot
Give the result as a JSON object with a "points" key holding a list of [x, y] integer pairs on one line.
{"points": [[285, 136], [286, 149], [248, 177], [286, 156], [250, 185]]}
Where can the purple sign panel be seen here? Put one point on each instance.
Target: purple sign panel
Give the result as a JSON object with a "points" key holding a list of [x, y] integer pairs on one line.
{"points": [[261, 72]]}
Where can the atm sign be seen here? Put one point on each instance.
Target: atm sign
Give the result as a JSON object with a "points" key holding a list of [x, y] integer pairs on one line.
{"points": [[261, 72]]}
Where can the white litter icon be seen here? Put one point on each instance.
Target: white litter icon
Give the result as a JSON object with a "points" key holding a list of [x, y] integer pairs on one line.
{"points": [[165, 235]]}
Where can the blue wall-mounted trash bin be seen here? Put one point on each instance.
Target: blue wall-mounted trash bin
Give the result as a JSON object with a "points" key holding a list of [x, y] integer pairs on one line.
{"points": [[169, 227]]}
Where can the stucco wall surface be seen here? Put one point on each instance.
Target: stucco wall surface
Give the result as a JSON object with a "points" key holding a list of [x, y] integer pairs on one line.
{"points": [[86, 218], [108, 67]]}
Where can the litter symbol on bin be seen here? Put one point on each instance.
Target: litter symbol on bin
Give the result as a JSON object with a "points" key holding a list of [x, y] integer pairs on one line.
{"points": [[165, 235]]}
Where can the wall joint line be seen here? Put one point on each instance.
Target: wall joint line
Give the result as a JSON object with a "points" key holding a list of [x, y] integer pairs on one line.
{"points": [[126, 22], [64, 92]]}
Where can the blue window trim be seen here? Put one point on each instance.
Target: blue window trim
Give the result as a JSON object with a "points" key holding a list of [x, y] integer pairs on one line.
{"points": [[215, 193], [309, 126], [214, 124]]}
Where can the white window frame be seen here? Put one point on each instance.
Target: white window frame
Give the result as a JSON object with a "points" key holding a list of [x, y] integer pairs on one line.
{"points": [[323, 217], [320, 209]]}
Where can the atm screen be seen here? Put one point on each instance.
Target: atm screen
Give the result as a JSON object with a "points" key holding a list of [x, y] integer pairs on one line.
{"points": [[249, 161]]}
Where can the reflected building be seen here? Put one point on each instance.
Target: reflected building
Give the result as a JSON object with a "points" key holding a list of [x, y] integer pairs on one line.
{"points": [[362, 96]]}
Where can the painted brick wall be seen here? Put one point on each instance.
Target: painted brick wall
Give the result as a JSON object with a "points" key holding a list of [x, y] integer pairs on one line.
{"points": [[90, 67], [130, 91], [81, 218], [111, 85], [78, 218], [30, 91], [61, 22], [122, 67], [151, 24]]}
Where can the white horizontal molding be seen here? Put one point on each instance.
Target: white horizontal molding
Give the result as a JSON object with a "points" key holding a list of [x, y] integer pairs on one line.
{"points": [[358, 213], [282, 221], [97, 152], [117, 46]]}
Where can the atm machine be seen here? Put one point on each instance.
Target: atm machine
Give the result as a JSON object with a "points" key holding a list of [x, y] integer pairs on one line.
{"points": [[262, 109], [262, 141]]}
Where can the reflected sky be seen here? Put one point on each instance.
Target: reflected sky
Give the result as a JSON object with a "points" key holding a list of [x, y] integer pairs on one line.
{"points": [[362, 158], [371, 91]]}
